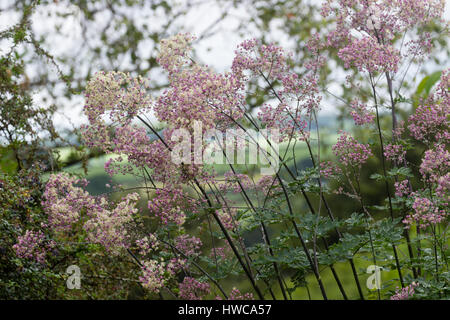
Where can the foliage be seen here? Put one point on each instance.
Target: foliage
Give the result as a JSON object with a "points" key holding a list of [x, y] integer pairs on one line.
{"points": [[161, 228]]}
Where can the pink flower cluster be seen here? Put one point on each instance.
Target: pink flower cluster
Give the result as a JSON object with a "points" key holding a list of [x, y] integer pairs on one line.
{"points": [[33, 246], [170, 204], [430, 123], [115, 93], [267, 184], [296, 96], [254, 57], [435, 164], [329, 169], [380, 22], [443, 187], [147, 244], [220, 252], [227, 217], [173, 54], [394, 152], [442, 93], [64, 201], [405, 293], [235, 294], [199, 94], [109, 227], [196, 92], [156, 273], [350, 152], [113, 96], [401, 188], [367, 54], [192, 289], [153, 275], [69, 206], [289, 121], [425, 213], [361, 115], [189, 245], [233, 182], [412, 12]]}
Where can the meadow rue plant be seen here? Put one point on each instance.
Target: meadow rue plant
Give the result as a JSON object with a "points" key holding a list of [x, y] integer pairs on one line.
{"points": [[191, 235], [360, 113], [192, 289], [404, 293], [425, 213], [350, 152], [70, 207], [33, 246]]}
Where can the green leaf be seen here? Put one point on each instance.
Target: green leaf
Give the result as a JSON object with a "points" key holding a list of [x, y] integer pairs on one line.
{"points": [[428, 82], [403, 171], [377, 177]]}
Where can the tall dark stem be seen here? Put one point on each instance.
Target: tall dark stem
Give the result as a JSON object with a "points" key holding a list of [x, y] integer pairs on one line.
{"points": [[394, 138], [314, 266], [327, 207], [219, 222], [383, 162]]}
